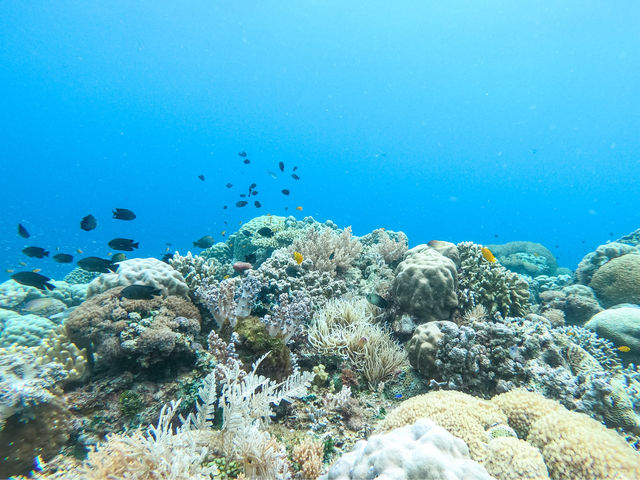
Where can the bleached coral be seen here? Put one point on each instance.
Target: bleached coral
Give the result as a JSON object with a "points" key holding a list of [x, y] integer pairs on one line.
{"points": [[57, 348], [327, 251], [195, 269]]}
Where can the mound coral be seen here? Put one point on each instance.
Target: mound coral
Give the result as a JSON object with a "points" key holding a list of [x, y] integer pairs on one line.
{"points": [[425, 285], [621, 326], [594, 260], [26, 330], [145, 332], [418, 451], [141, 271], [525, 258], [489, 284], [618, 281]]}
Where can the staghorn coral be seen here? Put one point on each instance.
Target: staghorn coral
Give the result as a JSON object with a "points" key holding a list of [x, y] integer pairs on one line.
{"points": [[120, 331], [327, 251], [489, 284], [418, 451], [196, 269], [425, 285], [141, 271]]}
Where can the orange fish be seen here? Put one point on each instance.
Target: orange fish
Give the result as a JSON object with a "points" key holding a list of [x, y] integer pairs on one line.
{"points": [[223, 233], [297, 256], [624, 348], [299, 208], [35, 270], [488, 256], [79, 251]]}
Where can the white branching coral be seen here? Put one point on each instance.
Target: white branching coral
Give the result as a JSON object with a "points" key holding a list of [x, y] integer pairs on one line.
{"points": [[229, 299], [391, 250], [346, 328], [194, 268], [327, 250], [289, 316]]}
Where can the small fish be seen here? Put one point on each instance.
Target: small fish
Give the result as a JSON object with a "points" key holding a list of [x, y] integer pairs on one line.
{"points": [[398, 396], [246, 161], [266, 232], [624, 348], [109, 254], [36, 270], [223, 233], [126, 244], [251, 258], [295, 177], [33, 279], [166, 257], [139, 292], [252, 186], [488, 256], [22, 264], [204, 242], [118, 257], [377, 300], [299, 208], [295, 168], [88, 223], [243, 195], [226, 276], [35, 252], [272, 174], [229, 185], [281, 166], [241, 203], [242, 266], [23, 231], [333, 254], [9, 270], [79, 251], [224, 207], [257, 204], [285, 191], [201, 177], [97, 264], [246, 232], [243, 154], [63, 258], [297, 256], [123, 214]]}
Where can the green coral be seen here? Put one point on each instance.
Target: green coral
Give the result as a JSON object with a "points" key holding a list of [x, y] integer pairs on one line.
{"points": [[256, 341], [130, 403], [227, 468], [481, 282]]}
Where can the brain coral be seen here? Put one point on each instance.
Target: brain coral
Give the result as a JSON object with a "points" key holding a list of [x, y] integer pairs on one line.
{"points": [[425, 284], [618, 281], [419, 451], [145, 332], [481, 282], [141, 271]]}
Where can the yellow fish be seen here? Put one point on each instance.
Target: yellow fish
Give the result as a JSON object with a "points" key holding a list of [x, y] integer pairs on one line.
{"points": [[22, 264], [79, 251], [10, 270], [488, 256], [624, 348], [110, 253], [223, 233], [36, 270], [226, 276], [297, 256], [299, 208]]}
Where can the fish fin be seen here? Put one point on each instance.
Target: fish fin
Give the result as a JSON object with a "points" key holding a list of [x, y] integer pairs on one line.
{"points": [[113, 267], [49, 286], [46, 254], [136, 245]]}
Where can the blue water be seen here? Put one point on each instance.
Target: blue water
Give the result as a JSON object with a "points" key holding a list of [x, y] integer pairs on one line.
{"points": [[455, 120]]}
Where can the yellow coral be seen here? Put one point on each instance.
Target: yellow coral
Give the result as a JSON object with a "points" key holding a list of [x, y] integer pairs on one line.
{"points": [[523, 408], [509, 458], [308, 455]]}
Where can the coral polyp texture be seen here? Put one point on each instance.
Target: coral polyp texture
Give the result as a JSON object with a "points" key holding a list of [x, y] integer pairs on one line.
{"points": [[141, 271], [298, 350]]}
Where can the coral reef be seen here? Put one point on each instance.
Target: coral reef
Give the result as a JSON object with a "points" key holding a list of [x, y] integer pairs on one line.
{"points": [[425, 285], [117, 330], [328, 252], [197, 270], [525, 258], [622, 327], [419, 451], [481, 282], [576, 303], [141, 271], [594, 260], [618, 281], [25, 330]]}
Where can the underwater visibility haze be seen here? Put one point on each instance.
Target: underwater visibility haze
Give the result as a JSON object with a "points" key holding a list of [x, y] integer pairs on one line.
{"points": [[274, 229]]}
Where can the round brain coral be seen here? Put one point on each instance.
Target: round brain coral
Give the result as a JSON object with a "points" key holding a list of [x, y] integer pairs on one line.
{"points": [[618, 281], [425, 284], [141, 271]]}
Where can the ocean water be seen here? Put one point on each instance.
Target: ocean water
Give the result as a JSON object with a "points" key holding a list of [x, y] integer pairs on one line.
{"points": [[491, 122], [487, 122]]}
